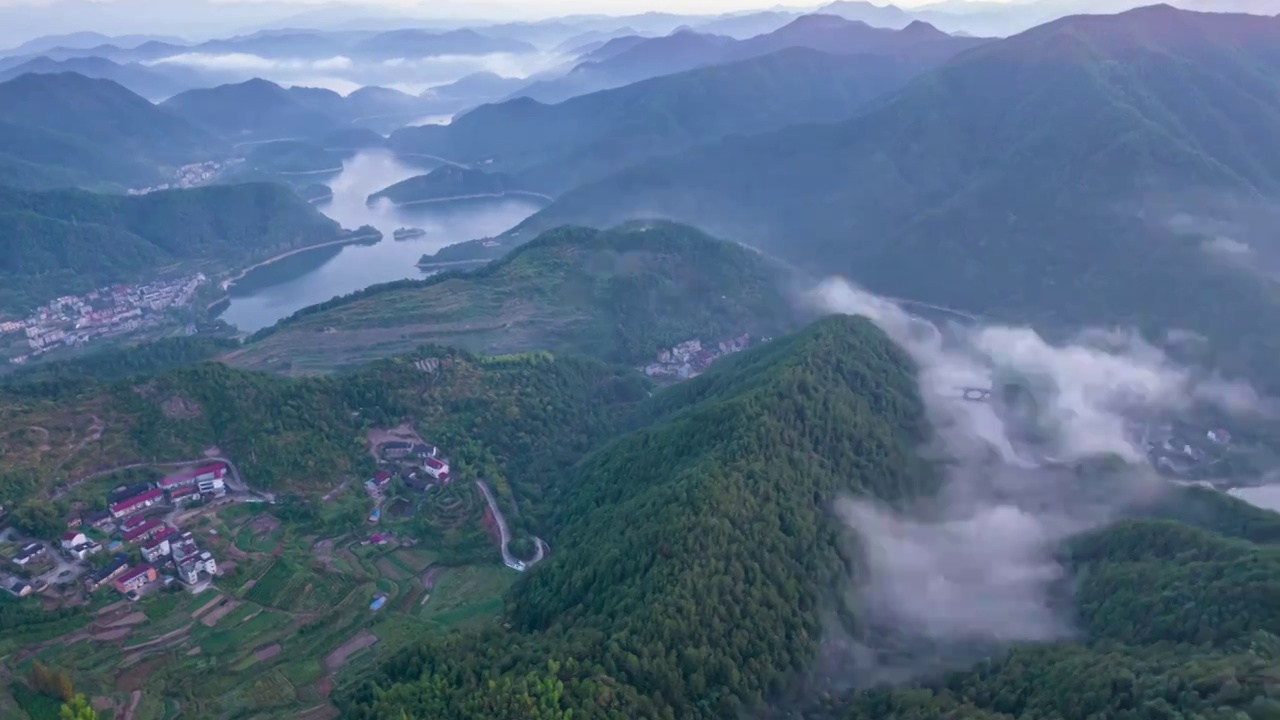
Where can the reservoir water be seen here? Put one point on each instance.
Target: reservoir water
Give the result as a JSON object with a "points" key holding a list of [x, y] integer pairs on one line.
{"points": [[272, 292]]}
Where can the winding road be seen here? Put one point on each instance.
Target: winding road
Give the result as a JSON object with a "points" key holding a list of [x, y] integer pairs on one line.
{"points": [[508, 559]]}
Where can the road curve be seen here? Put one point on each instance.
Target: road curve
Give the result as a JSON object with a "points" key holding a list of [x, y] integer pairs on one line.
{"points": [[508, 559]]}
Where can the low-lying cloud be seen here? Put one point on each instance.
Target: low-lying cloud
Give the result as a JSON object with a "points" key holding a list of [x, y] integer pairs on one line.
{"points": [[249, 63], [975, 566]]}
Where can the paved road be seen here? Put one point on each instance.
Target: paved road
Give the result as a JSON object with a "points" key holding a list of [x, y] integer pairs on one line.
{"points": [[508, 559], [235, 481]]}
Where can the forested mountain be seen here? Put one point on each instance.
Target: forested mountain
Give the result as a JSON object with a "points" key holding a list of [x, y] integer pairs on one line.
{"points": [[56, 242], [258, 109], [619, 295], [1097, 169], [425, 43], [694, 555], [554, 147], [66, 129], [136, 78], [629, 60], [446, 182]]}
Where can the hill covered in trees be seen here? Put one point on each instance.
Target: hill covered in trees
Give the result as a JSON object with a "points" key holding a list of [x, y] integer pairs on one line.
{"points": [[699, 573], [1064, 175], [71, 241], [64, 129], [552, 148], [620, 295]]}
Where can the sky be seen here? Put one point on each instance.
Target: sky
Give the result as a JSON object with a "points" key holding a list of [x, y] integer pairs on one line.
{"points": [[544, 8]]}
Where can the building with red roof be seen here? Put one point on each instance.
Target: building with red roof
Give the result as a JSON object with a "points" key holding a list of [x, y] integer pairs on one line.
{"points": [[195, 476], [437, 468], [136, 578], [145, 530], [133, 504]]}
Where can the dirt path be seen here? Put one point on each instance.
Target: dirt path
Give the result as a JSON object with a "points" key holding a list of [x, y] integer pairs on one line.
{"points": [[158, 641], [336, 659], [212, 618], [335, 492], [430, 575], [134, 698]]}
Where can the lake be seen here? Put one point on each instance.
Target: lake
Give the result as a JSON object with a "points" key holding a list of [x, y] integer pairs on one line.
{"points": [[273, 292]]}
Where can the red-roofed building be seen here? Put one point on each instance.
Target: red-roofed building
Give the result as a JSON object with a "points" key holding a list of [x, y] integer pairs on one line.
{"points": [[145, 530], [437, 468], [158, 546], [130, 523], [133, 504], [186, 493], [204, 474], [136, 578]]}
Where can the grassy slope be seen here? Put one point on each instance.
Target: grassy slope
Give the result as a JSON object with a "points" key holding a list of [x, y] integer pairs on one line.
{"points": [[619, 295]]}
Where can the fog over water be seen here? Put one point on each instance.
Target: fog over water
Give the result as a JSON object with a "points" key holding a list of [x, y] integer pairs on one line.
{"points": [[276, 291]]}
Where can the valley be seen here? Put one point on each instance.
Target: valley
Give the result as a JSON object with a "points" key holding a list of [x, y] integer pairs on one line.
{"points": [[850, 362]]}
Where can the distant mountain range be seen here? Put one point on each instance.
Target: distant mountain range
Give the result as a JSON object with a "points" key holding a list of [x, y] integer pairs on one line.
{"points": [[67, 129], [628, 60], [552, 148], [1034, 177], [140, 79]]}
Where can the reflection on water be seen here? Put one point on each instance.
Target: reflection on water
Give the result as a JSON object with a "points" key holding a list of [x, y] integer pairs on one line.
{"points": [[1265, 496], [276, 291]]}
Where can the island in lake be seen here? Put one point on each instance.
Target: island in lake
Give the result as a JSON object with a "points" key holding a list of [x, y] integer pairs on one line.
{"points": [[408, 233], [451, 183]]}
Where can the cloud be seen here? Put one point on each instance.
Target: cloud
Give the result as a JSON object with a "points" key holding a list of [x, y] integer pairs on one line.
{"points": [[976, 564], [246, 62]]}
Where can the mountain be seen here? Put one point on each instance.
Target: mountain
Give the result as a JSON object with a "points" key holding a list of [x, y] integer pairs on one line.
{"points": [[620, 295], [653, 57], [918, 42], [259, 110], [293, 157], [59, 242], [552, 148], [747, 25], [584, 43], [882, 16], [444, 183], [476, 87], [423, 43], [86, 40], [631, 59], [136, 78], [292, 45], [66, 129], [1033, 178]]}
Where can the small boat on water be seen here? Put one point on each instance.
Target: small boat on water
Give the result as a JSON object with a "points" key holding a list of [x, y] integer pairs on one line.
{"points": [[408, 233]]}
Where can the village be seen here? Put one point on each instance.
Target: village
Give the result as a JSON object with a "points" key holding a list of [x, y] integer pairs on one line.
{"points": [[75, 320], [142, 546], [690, 359], [189, 176]]}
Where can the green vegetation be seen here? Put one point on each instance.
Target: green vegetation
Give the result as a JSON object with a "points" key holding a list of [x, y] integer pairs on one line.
{"points": [[291, 157], [258, 110], [1038, 178], [125, 361], [619, 295], [555, 147], [70, 241], [64, 129], [444, 183]]}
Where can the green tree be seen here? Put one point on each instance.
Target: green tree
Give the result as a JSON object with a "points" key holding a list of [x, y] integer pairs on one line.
{"points": [[78, 708]]}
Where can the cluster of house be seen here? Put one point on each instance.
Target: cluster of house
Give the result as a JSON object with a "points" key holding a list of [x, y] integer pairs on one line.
{"points": [[420, 466], [189, 176], [1181, 450], [74, 320], [690, 358]]}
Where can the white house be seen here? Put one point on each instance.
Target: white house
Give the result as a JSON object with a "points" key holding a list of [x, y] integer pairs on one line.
{"points": [[73, 538], [436, 468]]}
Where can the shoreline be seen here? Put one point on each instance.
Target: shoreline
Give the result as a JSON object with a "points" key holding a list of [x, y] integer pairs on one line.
{"points": [[448, 263], [228, 282], [480, 196]]}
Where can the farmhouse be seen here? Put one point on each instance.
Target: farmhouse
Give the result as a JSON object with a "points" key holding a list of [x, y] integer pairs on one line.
{"points": [[184, 494], [133, 504], [83, 550], [158, 546], [396, 449], [130, 523], [144, 531], [71, 539], [29, 552], [191, 560], [209, 478], [113, 570], [437, 469], [96, 519], [136, 578], [423, 451], [20, 589]]}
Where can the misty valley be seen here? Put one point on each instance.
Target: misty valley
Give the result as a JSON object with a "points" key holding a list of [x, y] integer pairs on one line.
{"points": [[698, 360]]}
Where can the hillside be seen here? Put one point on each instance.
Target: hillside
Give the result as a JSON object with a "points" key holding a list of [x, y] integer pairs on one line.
{"points": [[1039, 178], [258, 110], [619, 295], [53, 243], [136, 78], [83, 131], [423, 43], [726, 549], [446, 182], [555, 147], [629, 60]]}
